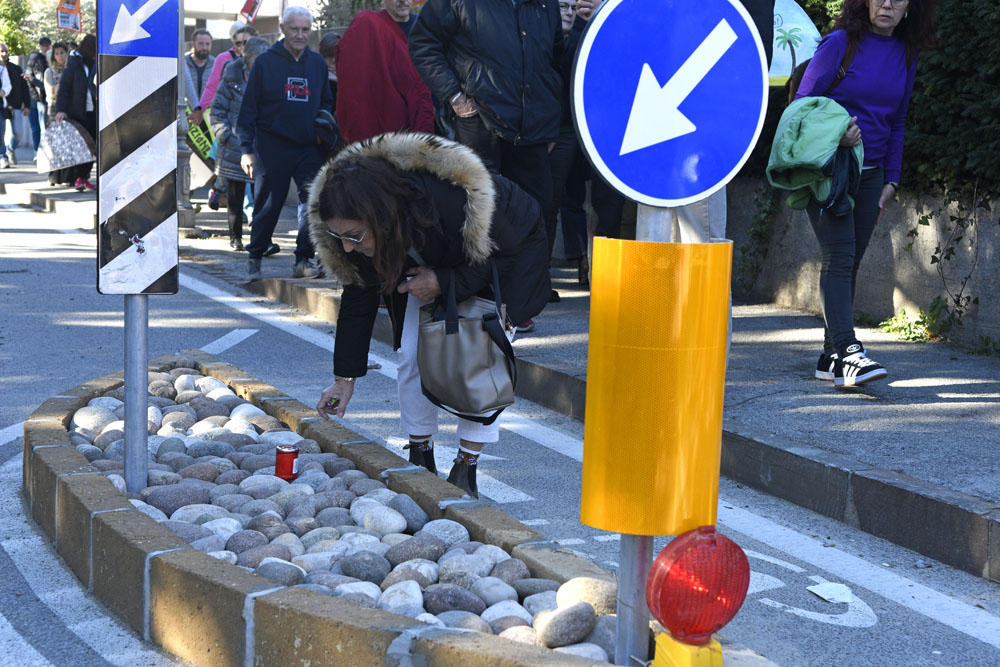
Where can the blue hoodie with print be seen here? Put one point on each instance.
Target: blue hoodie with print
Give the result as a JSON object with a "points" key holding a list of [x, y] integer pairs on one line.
{"points": [[283, 97]]}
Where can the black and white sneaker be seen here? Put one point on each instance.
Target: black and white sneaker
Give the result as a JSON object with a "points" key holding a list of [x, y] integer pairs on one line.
{"points": [[855, 368], [824, 367]]}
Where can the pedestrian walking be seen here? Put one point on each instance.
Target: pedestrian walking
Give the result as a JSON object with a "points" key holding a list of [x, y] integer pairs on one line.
{"points": [[885, 37], [396, 218], [34, 73], [380, 88], [199, 62], [77, 99], [285, 93], [57, 63], [224, 115], [496, 64], [240, 34], [15, 109]]}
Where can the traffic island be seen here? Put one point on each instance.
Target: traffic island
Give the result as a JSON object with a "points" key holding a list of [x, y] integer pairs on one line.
{"points": [[364, 559]]}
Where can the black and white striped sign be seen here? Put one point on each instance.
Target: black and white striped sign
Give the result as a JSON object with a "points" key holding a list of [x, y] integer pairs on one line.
{"points": [[137, 159]]}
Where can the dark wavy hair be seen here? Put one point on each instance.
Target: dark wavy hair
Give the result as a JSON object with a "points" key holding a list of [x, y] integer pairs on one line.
{"points": [[917, 30], [370, 189]]}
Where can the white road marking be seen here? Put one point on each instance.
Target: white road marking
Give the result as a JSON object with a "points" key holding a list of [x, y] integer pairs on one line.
{"points": [[613, 537], [909, 594], [535, 522], [12, 432], [858, 614], [568, 541], [11, 644], [232, 338], [964, 618]]}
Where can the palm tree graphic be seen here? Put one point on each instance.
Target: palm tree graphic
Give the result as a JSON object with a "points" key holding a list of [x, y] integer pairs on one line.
{"points": [[789, 39]]}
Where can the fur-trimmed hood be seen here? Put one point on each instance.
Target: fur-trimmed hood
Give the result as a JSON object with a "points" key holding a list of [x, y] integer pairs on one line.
{"points": [[412, 151]]}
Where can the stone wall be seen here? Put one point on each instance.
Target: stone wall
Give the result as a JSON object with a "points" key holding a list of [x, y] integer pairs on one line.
{"points": [[890, 279]]}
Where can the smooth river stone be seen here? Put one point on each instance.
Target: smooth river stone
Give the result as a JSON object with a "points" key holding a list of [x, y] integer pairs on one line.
{"points": [[422, 545], [428, 569], [92, 418], [169, 499], [540, 602], [253, 557], [416, 517], [245, 539], [224, 527], [404, 598], [191, 512], [366, 566], [492, 590], [601, 594], [246, 411], [385, 520], [279, 438], [448, 531], [465, 620], [439, 598], [510, 570], [281, 572], [292, 542], [260, 486], [565, 625]]}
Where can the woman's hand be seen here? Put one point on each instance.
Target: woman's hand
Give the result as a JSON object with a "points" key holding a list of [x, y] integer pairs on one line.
{"points": [[334, 399], [60, 117], [423, 284], [888, 194], [852, 136]]}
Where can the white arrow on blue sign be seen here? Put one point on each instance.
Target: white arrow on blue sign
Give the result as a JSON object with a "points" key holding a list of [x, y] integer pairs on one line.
{"points": [[138, 28], [669, 96]]}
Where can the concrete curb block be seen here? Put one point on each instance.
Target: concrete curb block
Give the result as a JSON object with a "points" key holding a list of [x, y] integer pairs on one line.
{"points": [[212, 613], [953, 527]]}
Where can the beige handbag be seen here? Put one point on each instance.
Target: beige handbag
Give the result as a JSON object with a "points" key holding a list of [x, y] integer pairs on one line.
{"points": [[467, 364]]}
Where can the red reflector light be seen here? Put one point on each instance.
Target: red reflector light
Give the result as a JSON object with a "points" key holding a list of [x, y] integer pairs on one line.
{"points": [[697, 584]]}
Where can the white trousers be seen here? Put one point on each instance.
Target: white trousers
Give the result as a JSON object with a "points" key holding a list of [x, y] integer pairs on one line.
{"points": [[417, 415]]}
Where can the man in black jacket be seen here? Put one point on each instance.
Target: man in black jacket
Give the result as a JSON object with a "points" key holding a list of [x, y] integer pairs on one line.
{"points": [[496, 64], [18, 106]]}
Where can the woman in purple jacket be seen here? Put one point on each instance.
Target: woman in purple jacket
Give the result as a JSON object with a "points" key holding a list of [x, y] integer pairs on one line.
{"points": [[885, 36]]}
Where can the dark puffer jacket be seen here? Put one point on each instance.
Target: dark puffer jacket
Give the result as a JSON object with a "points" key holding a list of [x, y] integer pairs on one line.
{"points": [[478, 216], [505, 58], [224, 114]]}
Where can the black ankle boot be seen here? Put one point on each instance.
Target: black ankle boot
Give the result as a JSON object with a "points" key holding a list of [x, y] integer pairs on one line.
{"points": [[583, 272], [463, 476], [423, 455]]}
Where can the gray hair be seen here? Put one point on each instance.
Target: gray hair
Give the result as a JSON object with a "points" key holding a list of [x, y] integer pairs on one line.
{"points": [[295, 11], [235, 28], [255, 47]]}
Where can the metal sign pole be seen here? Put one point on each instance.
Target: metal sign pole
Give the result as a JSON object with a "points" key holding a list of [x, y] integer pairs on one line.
{"points": [[136, 420], [632, 630], [137, 75]]}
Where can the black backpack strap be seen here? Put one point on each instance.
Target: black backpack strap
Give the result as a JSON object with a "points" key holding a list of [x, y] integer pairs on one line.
{"points": [[845, 64]]}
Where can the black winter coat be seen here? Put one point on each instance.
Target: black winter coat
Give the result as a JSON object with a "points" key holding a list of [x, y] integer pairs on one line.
{"points": [[72, 96], [506, 58], [478, 217], [19, 97]]}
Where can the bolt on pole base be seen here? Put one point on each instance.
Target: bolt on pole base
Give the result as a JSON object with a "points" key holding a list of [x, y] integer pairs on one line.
{"points": [[136, 375]]}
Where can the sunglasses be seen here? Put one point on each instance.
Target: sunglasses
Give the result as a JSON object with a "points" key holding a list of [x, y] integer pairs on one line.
{"points": [[348, 238]]}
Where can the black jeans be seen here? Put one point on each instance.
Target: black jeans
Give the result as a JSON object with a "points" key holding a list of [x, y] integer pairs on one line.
{"points": [[235, 191], [277, 164], [843, 241], [561, 160], [528, 166]]}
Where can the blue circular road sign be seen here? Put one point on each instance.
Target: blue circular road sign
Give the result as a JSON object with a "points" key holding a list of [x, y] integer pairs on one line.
{"points": [[669, 96]]}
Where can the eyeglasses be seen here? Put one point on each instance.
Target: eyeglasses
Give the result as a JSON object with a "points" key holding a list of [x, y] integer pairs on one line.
{"points": [[347, 238], [567, 7], [896, 4]]}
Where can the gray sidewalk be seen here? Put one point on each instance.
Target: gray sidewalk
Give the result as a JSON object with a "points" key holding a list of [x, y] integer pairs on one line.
{"points": [[912, 459]]}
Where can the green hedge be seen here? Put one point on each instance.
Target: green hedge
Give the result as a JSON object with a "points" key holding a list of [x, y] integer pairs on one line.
{"points": [[953, 131]]}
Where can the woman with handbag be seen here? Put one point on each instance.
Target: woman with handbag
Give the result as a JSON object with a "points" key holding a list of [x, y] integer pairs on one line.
{"points": [[77, 100], [398, 218], [884, 37]]}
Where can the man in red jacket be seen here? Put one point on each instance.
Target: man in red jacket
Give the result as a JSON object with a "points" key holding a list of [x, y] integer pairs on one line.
{"points": [[379, 89]]}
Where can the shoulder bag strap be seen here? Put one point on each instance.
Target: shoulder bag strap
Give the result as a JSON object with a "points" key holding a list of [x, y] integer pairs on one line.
{"points": [[845, 64]]}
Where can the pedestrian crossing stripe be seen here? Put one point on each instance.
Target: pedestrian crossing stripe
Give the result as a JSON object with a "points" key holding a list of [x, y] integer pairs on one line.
{"points": [[137, 175]]}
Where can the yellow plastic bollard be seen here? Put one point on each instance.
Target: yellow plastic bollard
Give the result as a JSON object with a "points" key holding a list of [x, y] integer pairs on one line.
{"points": [[659, 315], [673, 653]]}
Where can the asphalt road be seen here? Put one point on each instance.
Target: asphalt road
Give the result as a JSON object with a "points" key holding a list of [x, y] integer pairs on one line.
{"points": [[57, 332]]}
